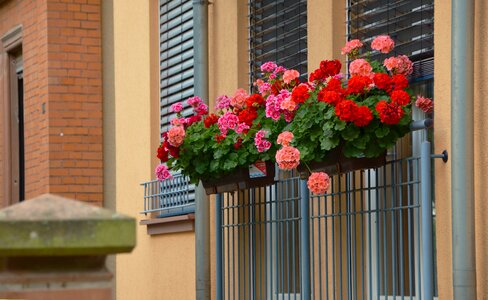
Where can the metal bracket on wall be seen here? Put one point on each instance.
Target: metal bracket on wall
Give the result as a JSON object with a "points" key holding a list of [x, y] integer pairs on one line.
{"points": [[444, 155]]}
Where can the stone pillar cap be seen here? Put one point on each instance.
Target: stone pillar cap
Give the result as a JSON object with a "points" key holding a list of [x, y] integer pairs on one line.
{"points": [[51, 225]]}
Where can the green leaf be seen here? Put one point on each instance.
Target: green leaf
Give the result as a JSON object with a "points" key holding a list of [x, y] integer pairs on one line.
{"points": [[340, 125], [382, 131], [361, 141], [327, 143], [351, 151], [201, 167], [214, 165], [219, 153], [350, 133]]}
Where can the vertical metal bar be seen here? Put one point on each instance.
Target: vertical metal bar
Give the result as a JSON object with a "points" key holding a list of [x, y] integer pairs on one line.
{"points": [[218, 245], [393, 229], [228, 223], [293, 240], [401, 238], [384, 213], [462, 145], [202, 206], [339, 214], [333, 239], [427, 264], [410, 216], [348, 236], [305, 238], [378, 243]]}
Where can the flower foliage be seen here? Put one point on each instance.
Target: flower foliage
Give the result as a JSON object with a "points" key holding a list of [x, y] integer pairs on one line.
{"points": [[294, 122]]}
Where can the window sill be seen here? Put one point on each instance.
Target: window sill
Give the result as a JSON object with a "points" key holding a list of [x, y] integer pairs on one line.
{"points": [[183, 223]]}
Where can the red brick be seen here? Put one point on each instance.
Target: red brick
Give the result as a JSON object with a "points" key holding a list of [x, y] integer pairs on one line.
{"points": [[62, 63]]}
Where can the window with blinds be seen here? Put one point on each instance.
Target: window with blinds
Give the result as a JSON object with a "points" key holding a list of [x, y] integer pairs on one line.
{"points": [[278, 32], [176, 196], [176, 56], [409, 22]]}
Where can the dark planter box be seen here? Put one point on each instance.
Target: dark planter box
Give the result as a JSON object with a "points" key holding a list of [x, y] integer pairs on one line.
{"points": [[337, 163], [240, 179]]}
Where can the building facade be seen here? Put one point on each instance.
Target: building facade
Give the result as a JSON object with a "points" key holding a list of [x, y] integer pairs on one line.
{"points": [[165, 263], [51, 137], [86, 88]]}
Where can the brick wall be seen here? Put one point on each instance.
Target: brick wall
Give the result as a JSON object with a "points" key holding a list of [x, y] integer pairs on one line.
{"points": [[63, 95]]}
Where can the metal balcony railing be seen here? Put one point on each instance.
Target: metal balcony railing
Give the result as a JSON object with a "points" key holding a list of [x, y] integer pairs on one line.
{"points": [[171, 197]]}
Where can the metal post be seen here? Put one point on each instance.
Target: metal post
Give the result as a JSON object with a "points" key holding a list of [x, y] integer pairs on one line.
{"points": [[305, 239], [218, 246], [427, 257], [462, 150], [202, 206]]}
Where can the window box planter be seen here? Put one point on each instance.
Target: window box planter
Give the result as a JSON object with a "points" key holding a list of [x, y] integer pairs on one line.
{"points": [[337, 163], [258, 174]]}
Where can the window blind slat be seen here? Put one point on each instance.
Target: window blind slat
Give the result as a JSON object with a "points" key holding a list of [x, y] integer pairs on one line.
{"points": [[408, 22], [176, 70], [277, 32]]}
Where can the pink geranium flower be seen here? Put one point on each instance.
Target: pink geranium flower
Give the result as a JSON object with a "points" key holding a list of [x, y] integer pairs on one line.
{"points": [[285, 138], [383, 43], [177, 107], [360, 67], [288, 158], [425, 104], [288, 104], [162, 172], [227, 121], [290, 75], [351, 47], [239, 99], [399, 65], [176, 135], [268, 67], [318, 182], [260, 141], [194, 101], [223, 102]]}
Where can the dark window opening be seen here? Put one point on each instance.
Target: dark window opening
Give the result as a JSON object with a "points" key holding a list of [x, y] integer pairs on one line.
{"points": [[278, 32], [20, 120], [409, 23]]}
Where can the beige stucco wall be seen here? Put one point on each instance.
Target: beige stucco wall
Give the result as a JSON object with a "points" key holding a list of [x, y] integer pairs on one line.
{"points": [[442, 140], [442, 135], [481, 146], [228, 70], [160, 267]]}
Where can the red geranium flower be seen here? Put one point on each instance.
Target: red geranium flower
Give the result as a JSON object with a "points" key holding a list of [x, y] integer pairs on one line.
{"points": [[193, 119], [219, 138], [162, 154], [363, 116], [330, 97], [400, 97], [255, 100], [334, 85], [300, 93], [316, 75], [330, 67], [357, 84], [247, 116], [210, 120], [399, 81], [238, 143], [276, 87], [383, 81], [390, 113], [174, 151], [346, 110]]}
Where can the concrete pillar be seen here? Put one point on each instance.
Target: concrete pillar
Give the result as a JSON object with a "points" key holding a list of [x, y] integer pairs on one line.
{"points": [[55, 248]]}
